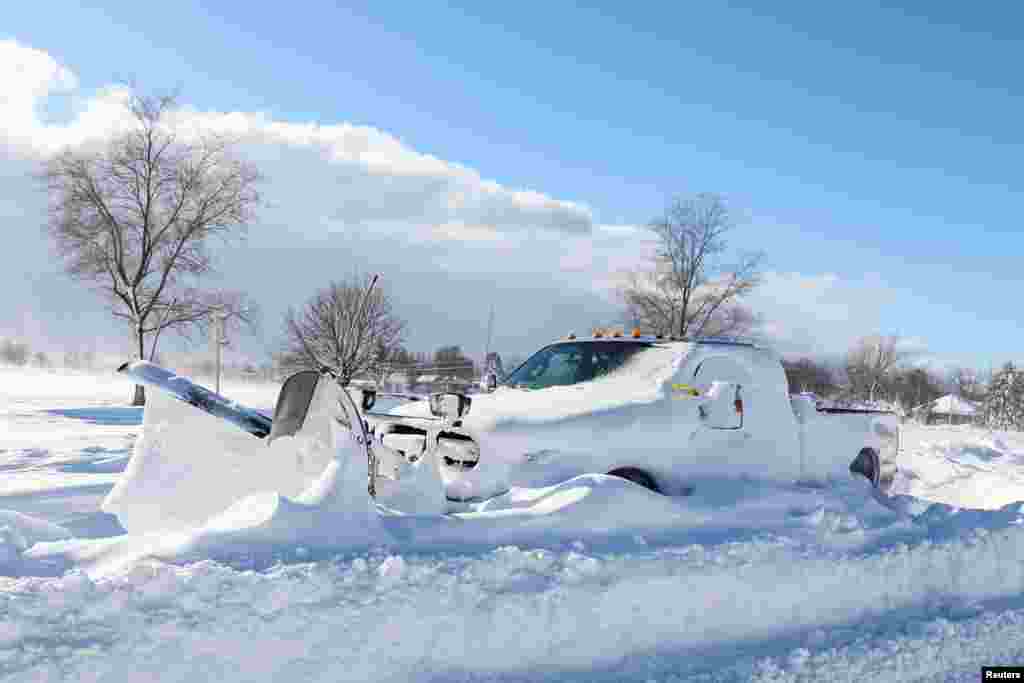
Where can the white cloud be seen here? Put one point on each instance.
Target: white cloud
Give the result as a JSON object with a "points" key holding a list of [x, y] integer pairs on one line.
{"points": [[28, 76], [344, 197], [822, 314], [803, 313], [340, 197], [355, 174]]}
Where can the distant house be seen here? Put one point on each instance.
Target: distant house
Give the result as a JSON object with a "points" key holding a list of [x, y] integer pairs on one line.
{"points": [[416, 383], [950, 409], [493, 364]]}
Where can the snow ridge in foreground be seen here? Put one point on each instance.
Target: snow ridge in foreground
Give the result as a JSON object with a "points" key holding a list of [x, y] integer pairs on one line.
{"points": [[511, 610]]}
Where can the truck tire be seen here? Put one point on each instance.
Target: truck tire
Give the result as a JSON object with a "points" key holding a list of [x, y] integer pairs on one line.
{"points": [[637, 476], [867, 465]]}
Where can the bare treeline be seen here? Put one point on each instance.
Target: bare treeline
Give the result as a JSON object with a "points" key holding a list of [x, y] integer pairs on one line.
{"points": [[907, 387], [880, 368]]}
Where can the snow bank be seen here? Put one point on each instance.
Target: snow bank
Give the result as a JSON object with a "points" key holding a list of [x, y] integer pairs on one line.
{"points": [[19, 532], [190, 469], [419, 489], [30, 384], [963, 466], [514, 611], [593, 578], [62, 387]]}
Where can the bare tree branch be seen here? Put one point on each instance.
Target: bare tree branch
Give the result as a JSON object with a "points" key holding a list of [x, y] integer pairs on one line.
{"points": [[133, 219], [870, 363], [689, 291], [333, 328]]}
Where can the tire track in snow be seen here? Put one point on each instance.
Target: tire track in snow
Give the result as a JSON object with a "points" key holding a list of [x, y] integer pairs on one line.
{"points": [[509, 611]]}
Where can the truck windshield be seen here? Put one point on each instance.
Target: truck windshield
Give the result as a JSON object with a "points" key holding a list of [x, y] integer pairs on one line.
{"points": [[572, 363]]}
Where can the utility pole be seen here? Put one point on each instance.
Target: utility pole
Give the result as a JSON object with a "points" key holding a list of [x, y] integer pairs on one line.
{"points": [[218, 340]]}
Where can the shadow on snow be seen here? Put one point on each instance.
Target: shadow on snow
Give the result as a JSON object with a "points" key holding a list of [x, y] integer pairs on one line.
{"points": [[108, 416]]}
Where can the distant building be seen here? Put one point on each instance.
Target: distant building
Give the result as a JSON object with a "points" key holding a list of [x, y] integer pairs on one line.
{"points": [[950, 409], [493, 364]]}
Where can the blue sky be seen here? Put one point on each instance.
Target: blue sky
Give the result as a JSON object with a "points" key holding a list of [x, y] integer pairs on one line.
{"points": [[873, 148]]}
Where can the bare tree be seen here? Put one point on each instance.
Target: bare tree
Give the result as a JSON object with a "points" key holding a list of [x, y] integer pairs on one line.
{"points": [[691, 290], [134, 217], [341, 328], [806, 374], [14, 352], [871, 363]]}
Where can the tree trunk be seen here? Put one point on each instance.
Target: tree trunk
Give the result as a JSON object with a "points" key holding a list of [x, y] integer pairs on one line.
{"points": [[139, 397]]}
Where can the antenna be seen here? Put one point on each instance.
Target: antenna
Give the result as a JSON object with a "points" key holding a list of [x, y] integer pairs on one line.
{"points": [[490, 329]]}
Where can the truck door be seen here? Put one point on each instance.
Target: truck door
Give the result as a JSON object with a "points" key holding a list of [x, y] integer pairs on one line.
{"points": [[723, 382], [728, 405]]}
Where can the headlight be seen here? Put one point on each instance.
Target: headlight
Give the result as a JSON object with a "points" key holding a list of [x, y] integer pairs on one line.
{"points": [[458, 450]]}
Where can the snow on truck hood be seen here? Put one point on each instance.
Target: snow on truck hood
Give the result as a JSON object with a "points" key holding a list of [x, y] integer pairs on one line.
{"points": [[644, 379]]}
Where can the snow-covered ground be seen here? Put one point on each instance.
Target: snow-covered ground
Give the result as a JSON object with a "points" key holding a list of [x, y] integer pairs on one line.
{"points": [[591, 579], [964, 465]]}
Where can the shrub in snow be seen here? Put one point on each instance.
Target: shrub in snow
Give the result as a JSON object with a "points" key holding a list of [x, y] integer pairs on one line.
{"points": [[14, 352], [1004, 404]]}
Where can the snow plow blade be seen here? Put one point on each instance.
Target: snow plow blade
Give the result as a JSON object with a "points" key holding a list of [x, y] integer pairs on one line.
{"points": [[187, 391]]}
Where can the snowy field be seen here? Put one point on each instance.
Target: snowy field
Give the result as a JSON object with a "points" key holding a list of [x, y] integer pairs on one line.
{"points": [[593, 579]]}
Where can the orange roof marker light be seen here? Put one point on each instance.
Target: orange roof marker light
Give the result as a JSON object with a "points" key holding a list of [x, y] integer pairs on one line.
{"points": [[636, 332], [598, 334], [570, 336], [617, 333]]}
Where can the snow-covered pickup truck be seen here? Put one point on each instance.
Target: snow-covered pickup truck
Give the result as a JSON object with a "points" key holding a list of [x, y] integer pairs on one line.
{"points": [[664, 414], [669, 415]]}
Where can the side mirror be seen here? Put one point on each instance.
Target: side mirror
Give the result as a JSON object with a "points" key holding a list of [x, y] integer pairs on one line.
{"points": [[490, 382], [449, 406]]}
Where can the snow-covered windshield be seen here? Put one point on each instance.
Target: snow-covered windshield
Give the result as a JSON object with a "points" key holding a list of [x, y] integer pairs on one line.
{"points": [[572, 363]]}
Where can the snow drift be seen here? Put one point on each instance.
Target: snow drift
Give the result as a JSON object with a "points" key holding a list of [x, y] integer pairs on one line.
{"points": [[190, 470], [592, 578]]}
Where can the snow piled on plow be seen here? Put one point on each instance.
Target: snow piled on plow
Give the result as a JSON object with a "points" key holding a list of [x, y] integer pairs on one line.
{"points": [[188, 466]]}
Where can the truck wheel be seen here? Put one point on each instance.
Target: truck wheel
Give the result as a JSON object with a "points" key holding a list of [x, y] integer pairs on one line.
{"points": [[866, 464], [637, 476]]}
